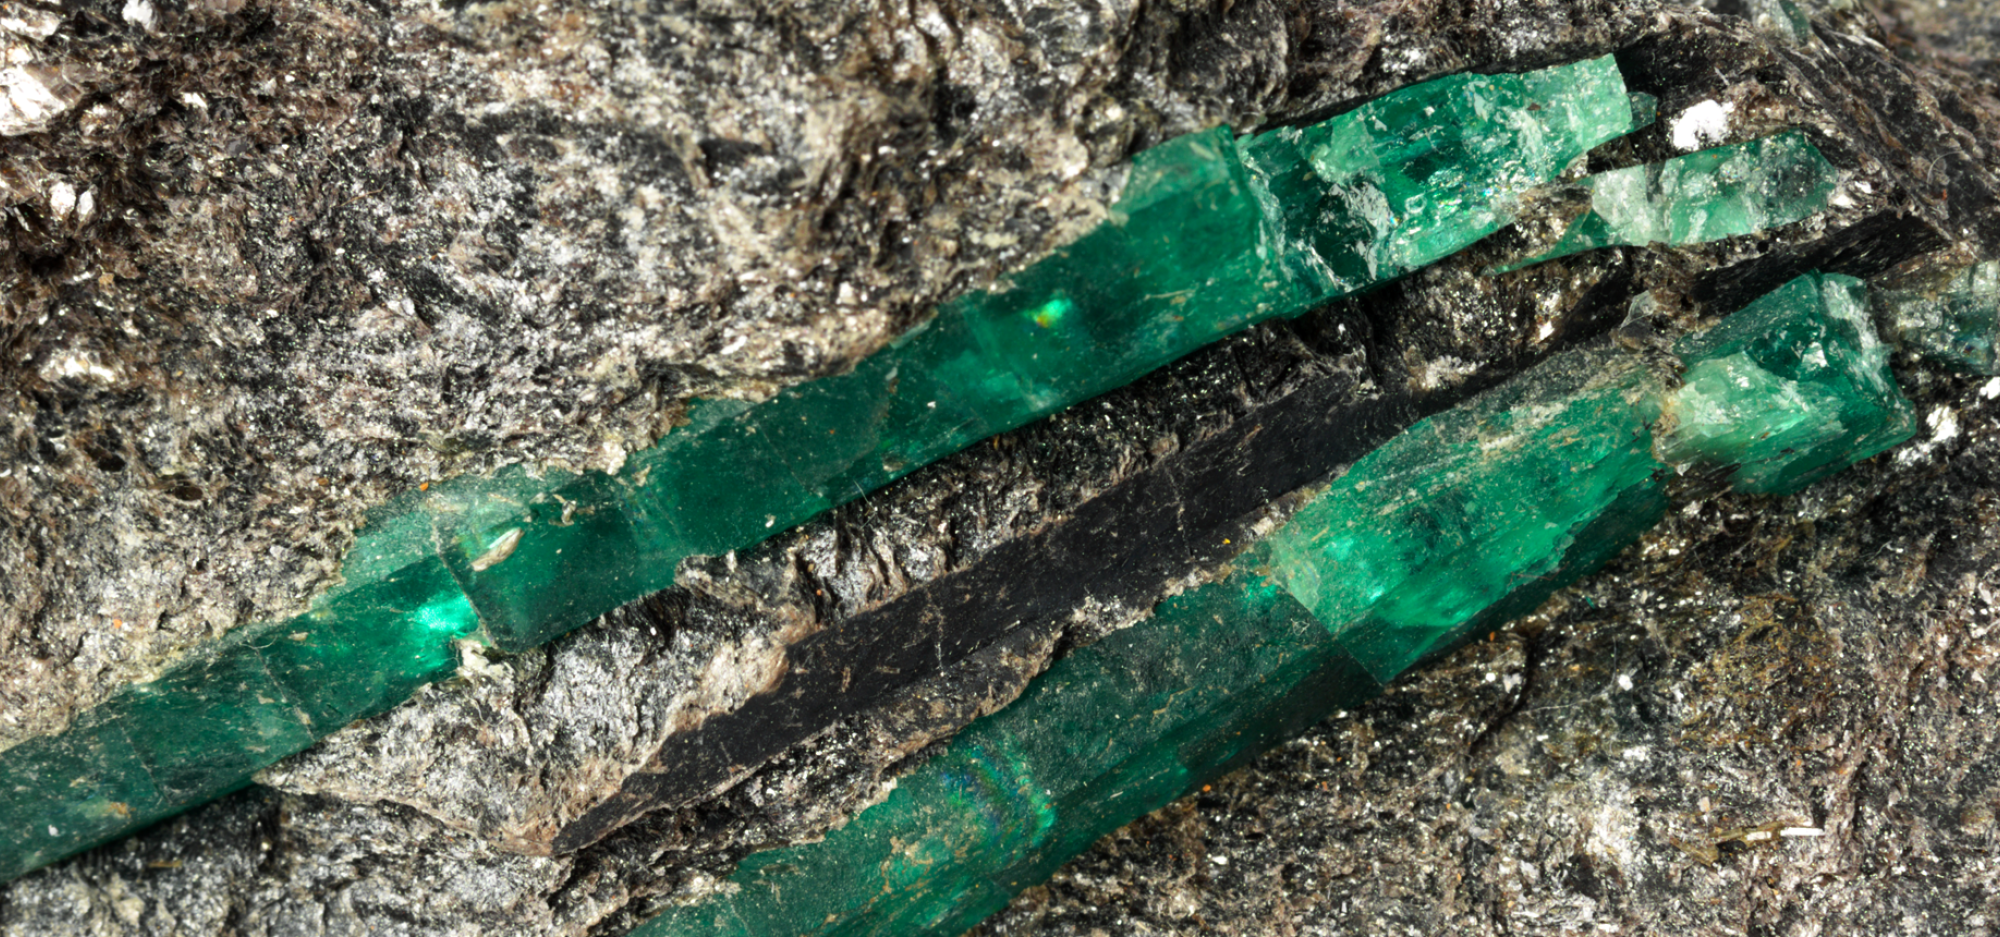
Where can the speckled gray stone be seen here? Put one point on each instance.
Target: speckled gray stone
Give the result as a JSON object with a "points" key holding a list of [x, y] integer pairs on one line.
{"points": [[332, 251]]}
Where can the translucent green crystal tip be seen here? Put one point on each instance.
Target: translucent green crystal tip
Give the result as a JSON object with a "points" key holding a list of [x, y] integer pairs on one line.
{"points": [[1956, 322], [1792, 388]]}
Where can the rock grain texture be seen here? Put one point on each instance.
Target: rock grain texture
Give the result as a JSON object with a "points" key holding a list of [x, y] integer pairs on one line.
{"points": [[267, 265]]}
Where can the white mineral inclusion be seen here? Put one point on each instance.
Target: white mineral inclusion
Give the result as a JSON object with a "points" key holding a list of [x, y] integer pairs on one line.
{"points": [[78, 365], [1704, 124], [62, 199], [139, 13]]}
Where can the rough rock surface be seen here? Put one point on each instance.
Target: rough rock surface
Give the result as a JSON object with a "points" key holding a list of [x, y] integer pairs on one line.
{"points": [[267, 264]]}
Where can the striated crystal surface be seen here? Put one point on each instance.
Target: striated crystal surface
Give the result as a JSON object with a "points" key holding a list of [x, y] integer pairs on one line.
{"points": [[1957, 322], [1791, 389], [1724, 192], [1185, 257], [62, 794], [207, 724]]}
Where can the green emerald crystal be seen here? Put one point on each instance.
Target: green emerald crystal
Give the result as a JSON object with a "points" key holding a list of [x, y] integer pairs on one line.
{"points": [[1781, 18], [1214, 233], [1420, 174], [1725, 192], [62, 794], [1471, 506], [541, 557], [363, 651], [207, 724], [1211, 234], [1956, 322], [1791, 389], [1470, 516], [1184, 258]]}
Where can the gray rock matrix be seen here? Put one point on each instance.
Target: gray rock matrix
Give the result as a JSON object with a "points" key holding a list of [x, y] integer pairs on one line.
{"points": [[269, 264]]}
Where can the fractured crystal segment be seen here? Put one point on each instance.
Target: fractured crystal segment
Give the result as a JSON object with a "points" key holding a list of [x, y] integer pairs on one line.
{"points": [[1789, 390], [539, 557], [1184, 257], [1957, 322], [1218, 675], [709, 487], [1421, 173], [1475, 505], [1719, 193], [203, 727]]}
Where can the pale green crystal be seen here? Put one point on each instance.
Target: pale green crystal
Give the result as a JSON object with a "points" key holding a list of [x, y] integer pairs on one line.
{"points": [[1957, 322], [1422, 173], [1781, 18], [1724, 192], [1792, 388]]}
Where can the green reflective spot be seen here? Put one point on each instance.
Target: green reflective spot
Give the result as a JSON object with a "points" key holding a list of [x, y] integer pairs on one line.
{"points": [[363, 651]]}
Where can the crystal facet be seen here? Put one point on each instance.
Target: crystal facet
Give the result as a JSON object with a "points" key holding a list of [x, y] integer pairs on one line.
{"points": [[1419, 174], [1791, 389], [1471, 506]]}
